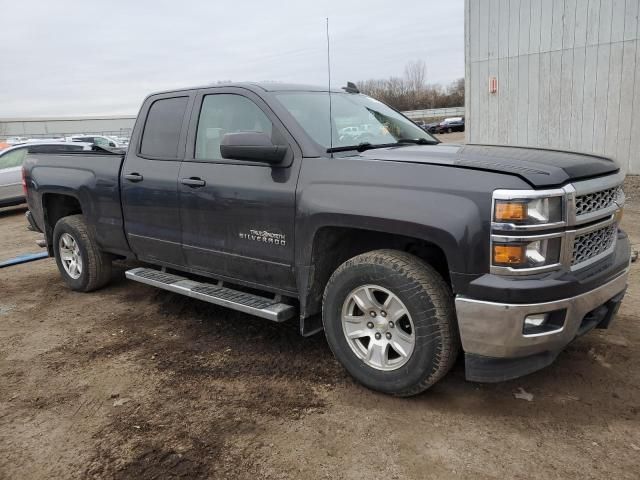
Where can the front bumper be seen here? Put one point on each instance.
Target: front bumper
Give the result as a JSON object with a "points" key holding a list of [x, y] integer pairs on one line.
{"points": [[492, 335]]}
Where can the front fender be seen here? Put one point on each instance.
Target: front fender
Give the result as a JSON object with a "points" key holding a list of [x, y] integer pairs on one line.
{"points": [[442, 205]]}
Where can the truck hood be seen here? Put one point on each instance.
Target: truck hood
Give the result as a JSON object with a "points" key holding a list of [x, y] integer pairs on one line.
{"points": [[537, 166]]}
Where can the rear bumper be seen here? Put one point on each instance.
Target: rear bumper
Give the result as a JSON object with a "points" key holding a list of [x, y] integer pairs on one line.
{"points": [[493, 338]]}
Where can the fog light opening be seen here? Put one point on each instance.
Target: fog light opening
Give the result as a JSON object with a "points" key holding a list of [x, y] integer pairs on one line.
{"points": [[543, 323], [536, 320]]}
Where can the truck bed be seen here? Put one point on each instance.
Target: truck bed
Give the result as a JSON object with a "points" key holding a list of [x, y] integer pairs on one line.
{"points": [[92, 177]]}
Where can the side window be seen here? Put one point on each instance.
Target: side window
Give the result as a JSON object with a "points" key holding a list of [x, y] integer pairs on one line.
{"points": [[162, 129], [47, 148], [13, 158], [41, 148], [226, 113], [37, 149]]}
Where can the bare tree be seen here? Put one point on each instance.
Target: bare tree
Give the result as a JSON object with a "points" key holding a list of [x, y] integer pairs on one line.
{"points": [[415, 73], [411, 92]]}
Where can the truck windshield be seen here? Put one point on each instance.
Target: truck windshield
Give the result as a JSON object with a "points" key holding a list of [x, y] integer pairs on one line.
{"points": [[356, 120]]}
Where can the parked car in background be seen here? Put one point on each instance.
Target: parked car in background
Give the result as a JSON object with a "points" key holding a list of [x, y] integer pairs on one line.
{"points": [[448, 125], [100, 140], [43, 140], [16, 140], [11, 159], [350, 132], [431, 127]]}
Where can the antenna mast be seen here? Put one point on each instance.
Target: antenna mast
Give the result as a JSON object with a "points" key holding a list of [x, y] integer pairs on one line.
{"points": [[329, 81]]}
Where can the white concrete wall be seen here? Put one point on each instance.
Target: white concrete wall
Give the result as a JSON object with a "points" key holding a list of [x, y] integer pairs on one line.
{"points": [[26, 127], [568, 75]]}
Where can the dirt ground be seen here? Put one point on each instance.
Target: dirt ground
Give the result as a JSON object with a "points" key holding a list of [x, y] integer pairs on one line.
{"points": [[132, 382]]}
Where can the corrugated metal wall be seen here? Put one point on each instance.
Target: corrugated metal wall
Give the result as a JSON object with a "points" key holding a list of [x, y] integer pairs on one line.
{"points": [[568, 74]]}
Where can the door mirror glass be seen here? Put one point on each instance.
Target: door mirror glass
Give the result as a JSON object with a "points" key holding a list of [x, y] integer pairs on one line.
{"points": [[251, 146]]}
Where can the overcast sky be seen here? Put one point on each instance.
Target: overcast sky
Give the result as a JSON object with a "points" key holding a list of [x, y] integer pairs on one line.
{"points": [[72, 57]]}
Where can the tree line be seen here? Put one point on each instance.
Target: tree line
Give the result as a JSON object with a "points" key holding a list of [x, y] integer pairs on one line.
{"points": [[411, 91]]}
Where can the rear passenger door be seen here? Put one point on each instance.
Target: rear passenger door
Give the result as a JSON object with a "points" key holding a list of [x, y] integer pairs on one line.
{"points": [[149, 179], [237, 216]]}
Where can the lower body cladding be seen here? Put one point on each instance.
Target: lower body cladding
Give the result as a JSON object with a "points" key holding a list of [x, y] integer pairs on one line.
{"points": [[505, 341]]}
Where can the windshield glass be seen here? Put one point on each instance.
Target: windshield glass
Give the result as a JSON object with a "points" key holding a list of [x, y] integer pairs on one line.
{"points": [[355, 119]]}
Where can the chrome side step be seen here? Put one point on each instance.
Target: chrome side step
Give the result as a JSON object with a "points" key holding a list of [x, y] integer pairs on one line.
{"points": [[244, 302]]}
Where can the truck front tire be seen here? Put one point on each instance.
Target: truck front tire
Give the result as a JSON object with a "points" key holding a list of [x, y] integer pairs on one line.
{"points": [[83, 266], [389, 319]]}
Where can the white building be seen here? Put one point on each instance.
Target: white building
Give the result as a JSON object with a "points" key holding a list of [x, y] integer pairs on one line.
{"points": [[61, 126], [555, 73]]}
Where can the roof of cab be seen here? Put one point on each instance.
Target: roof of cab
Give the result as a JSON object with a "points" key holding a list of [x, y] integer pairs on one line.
{"points": [[253, 86]]}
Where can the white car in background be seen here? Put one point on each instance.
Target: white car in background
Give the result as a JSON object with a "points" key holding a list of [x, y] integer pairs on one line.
{"points": [[350, 132], [11, 159], [16, 140], [100, 140]]}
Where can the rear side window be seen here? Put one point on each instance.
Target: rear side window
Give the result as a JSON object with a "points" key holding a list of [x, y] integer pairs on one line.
{"points": [[13, 158], [54, 148], [162, 130]]}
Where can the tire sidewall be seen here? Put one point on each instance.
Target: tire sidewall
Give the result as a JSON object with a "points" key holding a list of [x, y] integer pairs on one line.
{"points": [[82, 281], [422, 360]]}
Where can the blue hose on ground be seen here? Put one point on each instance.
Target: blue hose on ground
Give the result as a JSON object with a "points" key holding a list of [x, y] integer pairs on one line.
{"points": [[28, 257]]}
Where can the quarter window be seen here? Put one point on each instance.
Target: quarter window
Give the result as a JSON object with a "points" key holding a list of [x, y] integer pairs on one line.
{"points": [[13, 158], [54, 148], [226, 113], [162, 130]]}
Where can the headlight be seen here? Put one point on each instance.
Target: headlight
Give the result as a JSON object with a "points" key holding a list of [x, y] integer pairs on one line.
{"points": [[523, 254], [528, 211]]}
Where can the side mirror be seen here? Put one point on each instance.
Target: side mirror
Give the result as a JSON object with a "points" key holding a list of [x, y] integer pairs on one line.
{"points": [[251, 146]]}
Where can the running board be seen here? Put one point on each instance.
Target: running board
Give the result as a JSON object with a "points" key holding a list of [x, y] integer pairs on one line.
{"points": [[226, 297]]}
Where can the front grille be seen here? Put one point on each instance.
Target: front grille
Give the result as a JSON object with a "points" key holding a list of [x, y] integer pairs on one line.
{"points": [[594, 243], [592, 202]]}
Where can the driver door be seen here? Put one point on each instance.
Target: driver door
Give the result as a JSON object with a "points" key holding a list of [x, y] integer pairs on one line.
{"points": [[237, 216]]}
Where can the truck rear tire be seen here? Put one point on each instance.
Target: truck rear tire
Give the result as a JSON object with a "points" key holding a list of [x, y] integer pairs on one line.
{"points": [[390, 321], [83, 266]]}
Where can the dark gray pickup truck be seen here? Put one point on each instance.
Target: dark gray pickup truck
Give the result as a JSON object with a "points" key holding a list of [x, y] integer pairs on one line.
{"points": [[402, 249]]}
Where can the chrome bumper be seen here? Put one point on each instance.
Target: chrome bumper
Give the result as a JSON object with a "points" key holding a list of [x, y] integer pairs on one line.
{"points": [[496, 329]]}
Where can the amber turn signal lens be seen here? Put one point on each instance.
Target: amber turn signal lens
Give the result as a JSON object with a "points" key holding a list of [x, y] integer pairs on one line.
{"points": [[618, 214], [509, 254], [510, 211]]}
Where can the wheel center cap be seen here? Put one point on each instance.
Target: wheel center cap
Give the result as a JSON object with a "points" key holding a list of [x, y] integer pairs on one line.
{"points": [[380, 324]]}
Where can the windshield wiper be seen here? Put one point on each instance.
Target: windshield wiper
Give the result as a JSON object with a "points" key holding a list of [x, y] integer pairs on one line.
{"points": [[418, 141], [361, 147]]}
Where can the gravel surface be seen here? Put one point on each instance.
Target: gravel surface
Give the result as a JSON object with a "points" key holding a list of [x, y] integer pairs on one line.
{"points": [[133, 382]]}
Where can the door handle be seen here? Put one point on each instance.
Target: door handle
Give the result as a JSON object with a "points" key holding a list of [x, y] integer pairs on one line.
{"points": [[193, 182], [133, 177]]}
